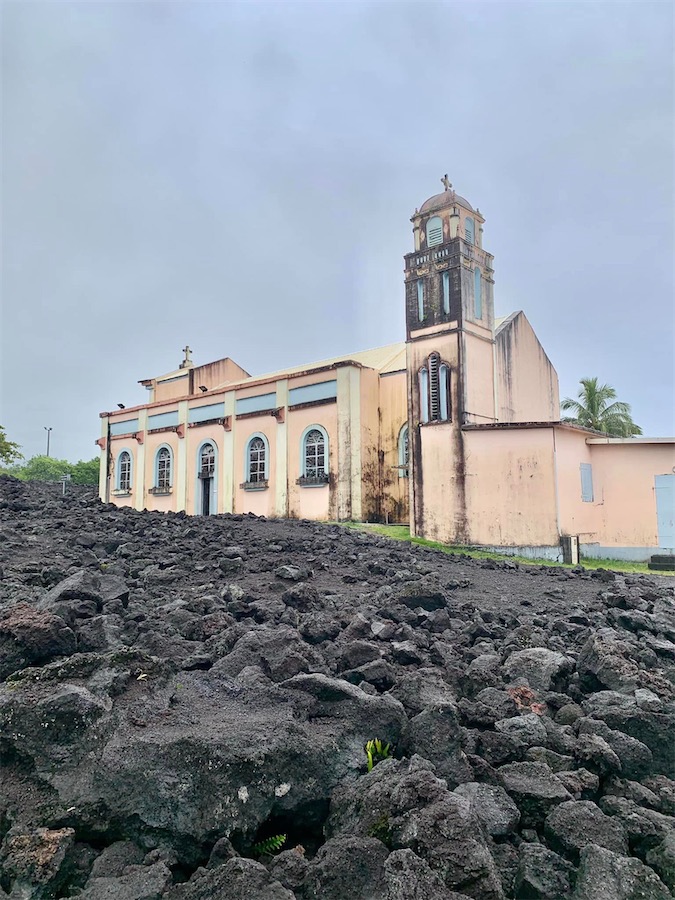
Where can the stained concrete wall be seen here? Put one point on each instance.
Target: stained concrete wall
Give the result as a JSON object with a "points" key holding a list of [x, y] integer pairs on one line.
{"points": [[527, 383], [393, 415]]}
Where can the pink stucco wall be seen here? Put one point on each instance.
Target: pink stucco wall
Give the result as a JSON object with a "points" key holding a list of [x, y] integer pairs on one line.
{"points": [[259, 502], [623, 482], [152, 443], [311, 502], [195, 437], [117, 445], [510, 487]]}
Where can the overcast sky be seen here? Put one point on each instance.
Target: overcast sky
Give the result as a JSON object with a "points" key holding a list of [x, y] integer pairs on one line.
{"points": [[240, 176]]}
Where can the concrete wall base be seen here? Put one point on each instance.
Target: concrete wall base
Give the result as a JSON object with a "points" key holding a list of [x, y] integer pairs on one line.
{"points": [[626, 554], [551, 552]]}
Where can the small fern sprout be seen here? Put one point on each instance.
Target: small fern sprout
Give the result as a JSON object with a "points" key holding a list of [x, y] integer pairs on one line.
{"points": [[270, 845], [376, 751]]}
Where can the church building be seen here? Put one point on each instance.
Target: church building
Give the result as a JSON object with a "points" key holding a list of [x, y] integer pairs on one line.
{"points": [[456, 430]]}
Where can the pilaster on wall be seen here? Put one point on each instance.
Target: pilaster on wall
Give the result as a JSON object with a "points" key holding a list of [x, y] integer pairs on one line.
{"points": [[356, 446], [140, 474], [103, 462], [281, 481], [227, 458], [181, 458], [349, 504]]}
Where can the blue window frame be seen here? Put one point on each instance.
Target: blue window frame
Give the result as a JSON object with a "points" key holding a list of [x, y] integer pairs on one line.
{"points": [[314, 456], [445, 278], [420, 300], [163, 468], [444, 392], [403, 451], [424, 394], [257, 459], [477, 294], [124, 471], [586, 470]]}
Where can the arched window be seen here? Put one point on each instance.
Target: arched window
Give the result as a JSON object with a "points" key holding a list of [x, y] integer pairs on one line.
{"points": [[477, 295], [124, 471], [314, 448], [424, 394], [257, 460], [420, 300], [469, 230], [207, 460], [163, 466], [434, 386], [403, 451], [434, 231], [445, 277], [316, 463], [444, 392]]}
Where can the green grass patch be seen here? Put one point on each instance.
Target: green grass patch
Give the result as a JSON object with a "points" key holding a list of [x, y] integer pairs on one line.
{"points": [[402, 533]]}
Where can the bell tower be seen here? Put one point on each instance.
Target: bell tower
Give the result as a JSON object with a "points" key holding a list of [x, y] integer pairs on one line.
{"points": [[450, 356]]}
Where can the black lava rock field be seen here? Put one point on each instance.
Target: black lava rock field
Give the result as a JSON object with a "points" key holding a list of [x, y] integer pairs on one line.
{"points": [[185, 706]]}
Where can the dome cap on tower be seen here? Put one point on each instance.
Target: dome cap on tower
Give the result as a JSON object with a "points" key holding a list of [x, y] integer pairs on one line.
{"points": [[444, 199], [439, 201]]}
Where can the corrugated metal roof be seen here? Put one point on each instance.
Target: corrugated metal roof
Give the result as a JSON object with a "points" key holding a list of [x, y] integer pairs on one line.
{"points": [[505, 320], [384, 359]]}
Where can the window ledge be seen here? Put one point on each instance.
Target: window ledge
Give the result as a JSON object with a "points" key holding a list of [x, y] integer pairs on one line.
{"points": [[160, 492], [313, 481], [119, 492], [254, 485]]}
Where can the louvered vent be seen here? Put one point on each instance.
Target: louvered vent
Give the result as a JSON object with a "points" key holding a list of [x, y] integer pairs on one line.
{"points": [[434, 387], [434, 231]]}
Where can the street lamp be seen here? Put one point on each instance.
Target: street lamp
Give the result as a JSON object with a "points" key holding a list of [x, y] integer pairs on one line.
{"points": [[49, 431]]}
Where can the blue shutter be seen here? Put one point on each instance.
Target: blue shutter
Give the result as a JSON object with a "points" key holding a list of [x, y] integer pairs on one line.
{"points": [[477, 295], [424, 395], [420, 300], [128, 426], [322, 390], [468, 230], [206, 413], [664, 486], [434, 231], [586, 470], [443, 379], [163, 420], [446, 293]]}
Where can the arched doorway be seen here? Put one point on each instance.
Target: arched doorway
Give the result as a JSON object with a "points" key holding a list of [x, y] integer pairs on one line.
{"points": [[206, 476]]}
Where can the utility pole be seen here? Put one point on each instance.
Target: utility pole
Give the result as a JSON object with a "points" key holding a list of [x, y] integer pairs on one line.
{"points": [[49, 431]]}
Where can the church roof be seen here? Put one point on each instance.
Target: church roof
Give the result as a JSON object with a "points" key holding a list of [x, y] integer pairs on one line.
{"points": [[445, 198], [390, 358], [503, 321]]}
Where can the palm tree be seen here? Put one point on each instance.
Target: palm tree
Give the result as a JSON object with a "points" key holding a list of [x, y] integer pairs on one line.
{"points": [[594, 410]]}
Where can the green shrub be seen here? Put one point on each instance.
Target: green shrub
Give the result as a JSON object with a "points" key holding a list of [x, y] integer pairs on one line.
{"points": [[270, 845], [376, 751]]}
